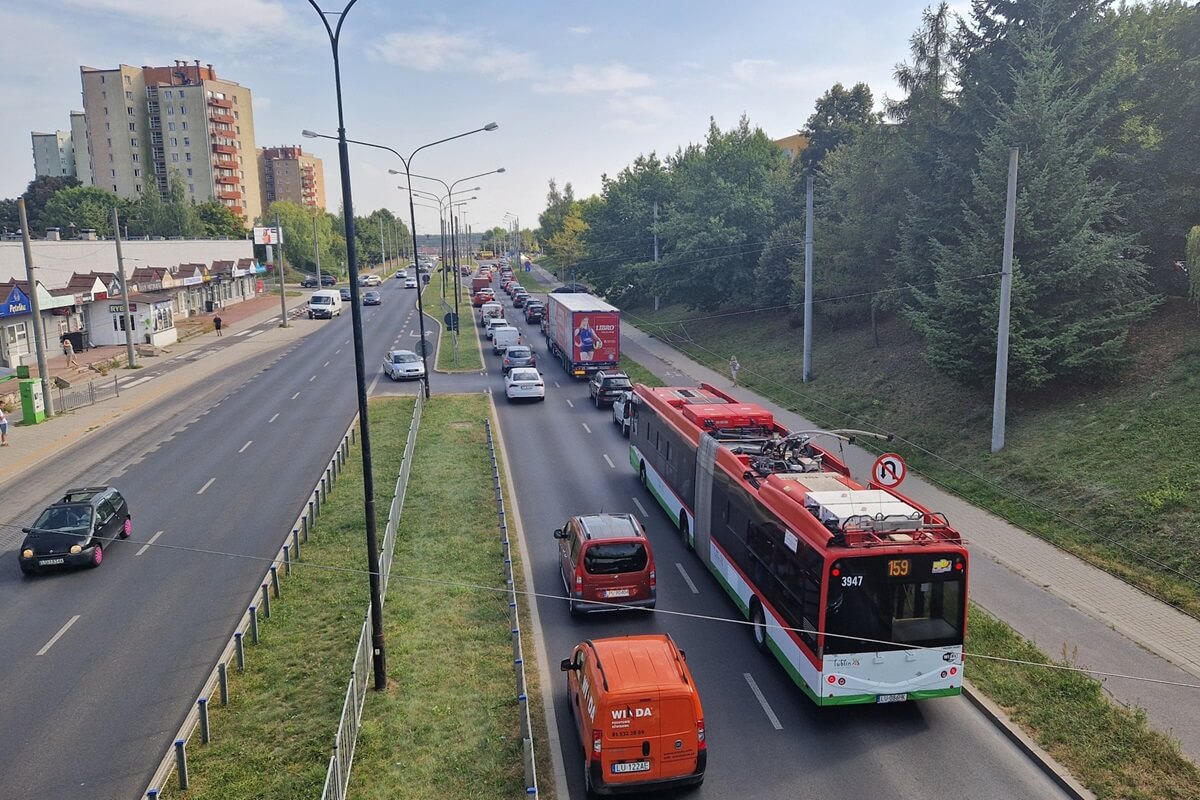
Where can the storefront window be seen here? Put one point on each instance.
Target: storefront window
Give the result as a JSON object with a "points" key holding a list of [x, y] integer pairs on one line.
{"points": [[163, 320]]}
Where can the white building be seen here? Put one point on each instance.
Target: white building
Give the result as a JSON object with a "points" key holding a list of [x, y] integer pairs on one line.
{"points": [[53, 154]]}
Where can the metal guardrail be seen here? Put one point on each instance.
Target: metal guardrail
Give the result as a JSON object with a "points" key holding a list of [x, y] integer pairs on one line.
{"points": [[531, 788], [74, 396], [337, 775], [175, 760]]}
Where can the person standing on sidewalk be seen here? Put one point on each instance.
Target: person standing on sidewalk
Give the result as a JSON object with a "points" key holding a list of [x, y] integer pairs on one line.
{"points": [[69, 352], [217, 323], [734, 366], [3, 429]]}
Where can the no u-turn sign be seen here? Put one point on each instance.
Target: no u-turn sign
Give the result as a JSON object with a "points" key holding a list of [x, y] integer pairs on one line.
{"points": [[889, 470]]}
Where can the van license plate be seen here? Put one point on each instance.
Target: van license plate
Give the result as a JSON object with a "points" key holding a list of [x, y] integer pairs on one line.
{"points": [[891, 698], [631, 766], [49, 562], [617, 593]]}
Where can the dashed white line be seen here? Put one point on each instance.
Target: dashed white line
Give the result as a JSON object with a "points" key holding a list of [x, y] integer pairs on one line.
{"points": [[557, 385], [139, 381], [687, 578], [205, 486], [335, 352], [608, 461], [151, 541], [56, 636], [297, 394], [247, 444], [326, 364], [585, 425], [243, 333], [272, 419], [572, 405], [252, 334], [313, 378], [637, 503], [762, 701]]}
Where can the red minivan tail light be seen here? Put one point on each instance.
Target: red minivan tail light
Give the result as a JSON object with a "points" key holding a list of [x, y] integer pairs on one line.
{"points": [[578, 578], [653, 578], [703, 745], [597, 742]]}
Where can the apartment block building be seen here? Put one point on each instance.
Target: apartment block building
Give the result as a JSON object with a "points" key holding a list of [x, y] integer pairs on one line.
{"points": [[53, 154], [148, 125], [288, 173]]}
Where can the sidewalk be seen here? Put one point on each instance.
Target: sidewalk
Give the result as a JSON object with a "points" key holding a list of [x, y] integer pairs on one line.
{"points": [[33, 444], [1067, 607]]}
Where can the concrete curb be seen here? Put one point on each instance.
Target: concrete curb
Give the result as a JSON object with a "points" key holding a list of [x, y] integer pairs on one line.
{"points": [[545, 676], [1032, 750]]}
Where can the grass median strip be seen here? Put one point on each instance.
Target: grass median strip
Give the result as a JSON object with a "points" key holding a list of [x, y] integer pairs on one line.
{"points": [[275, 738], [1109, 748], [448, 727], [468, 357]]}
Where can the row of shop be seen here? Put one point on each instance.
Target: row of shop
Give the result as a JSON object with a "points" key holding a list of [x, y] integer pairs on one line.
{"points": [[89, 310]]}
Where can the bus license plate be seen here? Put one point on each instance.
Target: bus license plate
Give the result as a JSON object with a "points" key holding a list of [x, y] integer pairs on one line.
{"points": [[631, 766], [49, 562], [617, 593], [891, 698]]}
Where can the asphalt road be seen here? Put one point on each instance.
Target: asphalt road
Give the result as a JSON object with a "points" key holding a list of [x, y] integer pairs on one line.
{"points": [[99, 665], [568, 458]]}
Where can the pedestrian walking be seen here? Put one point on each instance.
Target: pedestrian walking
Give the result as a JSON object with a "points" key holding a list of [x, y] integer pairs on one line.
{"points": [[217, 323], [734, 366], [3, 429], [69, 352]]}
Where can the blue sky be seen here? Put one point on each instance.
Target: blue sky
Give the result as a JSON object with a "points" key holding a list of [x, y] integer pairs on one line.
{"points": [[578, 89]]}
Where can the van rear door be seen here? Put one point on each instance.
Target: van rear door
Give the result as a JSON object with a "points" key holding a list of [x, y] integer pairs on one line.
{"points": [[678, 744], [631, 751]]}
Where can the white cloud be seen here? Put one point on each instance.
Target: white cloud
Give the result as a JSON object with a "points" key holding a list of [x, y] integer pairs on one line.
{"points": [[255, 19], [439, 51], [639, 105], [752, 70], [579, 30], [581, 79]]}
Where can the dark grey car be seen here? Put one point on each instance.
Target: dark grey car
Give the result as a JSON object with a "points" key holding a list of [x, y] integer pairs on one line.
{"points": [[519, 356], [75, 531]]}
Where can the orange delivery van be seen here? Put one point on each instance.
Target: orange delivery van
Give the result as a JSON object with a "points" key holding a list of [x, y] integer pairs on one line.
{"points": [[638, 714]]}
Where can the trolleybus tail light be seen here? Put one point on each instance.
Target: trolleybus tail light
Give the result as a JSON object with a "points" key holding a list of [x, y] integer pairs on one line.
{"points": [[836, 571], [701, 743], [832, 679], [596, 741], [954, 670]]}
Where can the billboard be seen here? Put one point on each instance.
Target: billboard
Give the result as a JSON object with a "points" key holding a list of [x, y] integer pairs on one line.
{"points": [[268, 236]]}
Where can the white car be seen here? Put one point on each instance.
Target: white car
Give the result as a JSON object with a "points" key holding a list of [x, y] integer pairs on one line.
{"points": [[403, 364], [410, 282], [621, 407], [491, 323], [524, 383]]}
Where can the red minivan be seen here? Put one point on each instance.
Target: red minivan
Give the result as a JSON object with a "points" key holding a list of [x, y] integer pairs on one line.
{"points": [[606, 563]]}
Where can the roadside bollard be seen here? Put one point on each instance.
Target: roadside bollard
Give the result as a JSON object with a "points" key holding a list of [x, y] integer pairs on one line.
{"points": [[275, 575], [266, 599], [223, 682], [307, 517], [181, 764], [202, 704], [296, 543], [324, 489], [254, 624], [523, 706], [317, 500], [239, 647]]}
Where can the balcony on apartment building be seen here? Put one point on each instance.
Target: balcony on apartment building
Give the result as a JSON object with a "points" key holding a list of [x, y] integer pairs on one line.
{"points": [[224, 119], [224, 149], [226, 179], [229, 194], [220, 103]]}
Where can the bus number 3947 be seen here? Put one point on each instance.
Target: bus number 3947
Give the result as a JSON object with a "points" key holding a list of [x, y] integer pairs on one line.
{"points": [[852, 580]]}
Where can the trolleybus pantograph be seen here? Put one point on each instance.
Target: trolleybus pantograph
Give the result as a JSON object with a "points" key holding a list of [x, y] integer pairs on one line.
{"points": [[860, 592]]}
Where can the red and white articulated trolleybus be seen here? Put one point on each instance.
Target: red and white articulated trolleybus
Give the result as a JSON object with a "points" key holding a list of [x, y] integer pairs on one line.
{"points": [[859, 592]]}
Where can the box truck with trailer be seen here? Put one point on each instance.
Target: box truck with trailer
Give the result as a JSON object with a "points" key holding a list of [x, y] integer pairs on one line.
{"points": [[583, 332]]}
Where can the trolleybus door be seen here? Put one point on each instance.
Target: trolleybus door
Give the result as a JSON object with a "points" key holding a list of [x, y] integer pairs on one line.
{"points": [[706, 462]]}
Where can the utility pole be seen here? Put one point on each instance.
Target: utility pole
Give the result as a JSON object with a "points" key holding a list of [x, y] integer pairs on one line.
{"points": [[279, 272], [317, 249], [129, 354], [1010, 223], [808, 279], [656, 247], [382, 248], [39, 344]]}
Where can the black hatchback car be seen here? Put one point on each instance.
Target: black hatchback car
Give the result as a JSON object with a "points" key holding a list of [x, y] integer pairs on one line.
{"points": [[606, 387], [75, 531]]}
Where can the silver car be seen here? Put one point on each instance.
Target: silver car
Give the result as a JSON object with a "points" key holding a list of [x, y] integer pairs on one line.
{"points": [[400, 364]]}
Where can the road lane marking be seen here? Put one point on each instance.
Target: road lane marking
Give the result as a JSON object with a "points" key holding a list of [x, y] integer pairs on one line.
{"points": [[313, 378], [243, 333], [763, 701], [572, 405], [335, 352], [56, 636], [639, 505], [297, 394], [609, 461], [272, 419], [326, 364], [557, 385], [139, 381], [146, 546], [585, 427], [254, 333], [205, 486], [247, 444], [687, 578]]}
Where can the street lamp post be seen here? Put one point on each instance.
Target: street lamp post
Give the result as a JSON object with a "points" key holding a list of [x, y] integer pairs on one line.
{"points": [[378, 652], [412, 212]]}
